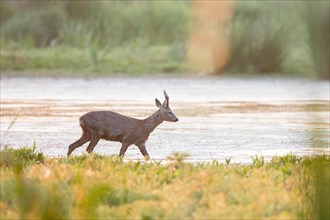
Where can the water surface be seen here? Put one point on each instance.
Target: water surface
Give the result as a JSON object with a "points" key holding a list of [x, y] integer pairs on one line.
{"points": [[219, 117]]}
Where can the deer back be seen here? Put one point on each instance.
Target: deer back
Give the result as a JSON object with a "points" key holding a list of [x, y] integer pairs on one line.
{"points": [[110, 125]]}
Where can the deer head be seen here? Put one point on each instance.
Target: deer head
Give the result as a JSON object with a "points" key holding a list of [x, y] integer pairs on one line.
{"points": [[166, 113]]}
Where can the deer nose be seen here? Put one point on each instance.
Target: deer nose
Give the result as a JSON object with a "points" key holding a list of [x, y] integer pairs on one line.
{"points": [[176, 120]]}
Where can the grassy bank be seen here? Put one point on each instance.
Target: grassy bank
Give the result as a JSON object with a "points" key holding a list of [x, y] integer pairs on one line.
{"points": [[147, 37], [68, 36], [68, 61], [35, 186]]}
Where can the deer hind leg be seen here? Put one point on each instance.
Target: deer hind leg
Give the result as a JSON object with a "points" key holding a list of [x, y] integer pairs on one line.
{"points": [[95, 139], [82, 140], [92, 144], [96, 136]]}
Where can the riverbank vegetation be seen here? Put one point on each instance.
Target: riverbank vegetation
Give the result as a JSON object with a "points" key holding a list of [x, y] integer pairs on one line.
{"points": [[146, 37], [85, 187]]}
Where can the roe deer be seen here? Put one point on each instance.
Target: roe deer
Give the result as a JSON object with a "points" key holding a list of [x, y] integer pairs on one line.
{"points": [[112, 126]]}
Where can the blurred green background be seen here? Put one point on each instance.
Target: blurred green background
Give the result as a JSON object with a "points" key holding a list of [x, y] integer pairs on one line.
{"points": [[147, 37]]}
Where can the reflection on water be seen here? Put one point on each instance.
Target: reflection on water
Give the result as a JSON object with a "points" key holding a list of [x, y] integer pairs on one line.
{"points": [[219, 117]]}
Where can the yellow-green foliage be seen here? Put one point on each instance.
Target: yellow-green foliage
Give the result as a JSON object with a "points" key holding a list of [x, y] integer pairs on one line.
{"points": [[98, 186]]}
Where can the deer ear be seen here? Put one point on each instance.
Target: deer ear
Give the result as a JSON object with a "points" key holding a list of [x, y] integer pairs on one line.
{"points": [[158, 104]]}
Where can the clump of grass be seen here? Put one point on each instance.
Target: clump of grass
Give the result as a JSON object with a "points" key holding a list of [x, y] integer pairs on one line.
{"points": [[258, 161], [287, 159], [215, 163], [228, 160], [20, 158], [177, 158]]}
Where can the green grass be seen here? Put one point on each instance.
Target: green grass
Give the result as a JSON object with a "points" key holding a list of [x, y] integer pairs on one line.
{"points": [[317, 18], [20, 158], [257, 38], [99, 186], [67, 38], [75, 23], [130, 59], [287, 37]]}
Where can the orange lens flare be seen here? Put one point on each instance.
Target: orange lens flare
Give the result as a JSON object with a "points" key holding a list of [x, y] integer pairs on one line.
{"points": [[208, 46]]}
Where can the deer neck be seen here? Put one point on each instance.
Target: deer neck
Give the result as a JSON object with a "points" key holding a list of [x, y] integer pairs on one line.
{"points": [[152, 121]]}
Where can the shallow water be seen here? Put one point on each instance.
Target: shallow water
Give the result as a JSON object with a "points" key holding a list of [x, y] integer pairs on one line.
{"points": [[219, 117]]}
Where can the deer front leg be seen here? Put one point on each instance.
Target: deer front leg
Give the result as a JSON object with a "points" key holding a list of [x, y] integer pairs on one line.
{"points": [[144, 152], [123, 149]]}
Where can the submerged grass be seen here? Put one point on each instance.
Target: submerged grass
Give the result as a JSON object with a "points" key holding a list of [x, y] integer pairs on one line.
{"points": [[91, 187]]}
